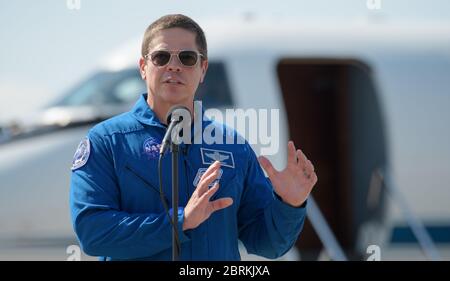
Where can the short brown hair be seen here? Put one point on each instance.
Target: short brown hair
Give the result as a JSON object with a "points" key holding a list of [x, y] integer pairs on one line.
{"points": [[171, 21]]}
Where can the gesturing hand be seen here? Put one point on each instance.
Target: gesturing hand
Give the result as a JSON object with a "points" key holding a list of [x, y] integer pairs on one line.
{"points": [[296, 181], [199, 208]]}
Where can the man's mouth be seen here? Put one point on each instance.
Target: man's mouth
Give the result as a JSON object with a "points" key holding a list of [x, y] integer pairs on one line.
{"points": [[173, 81]]}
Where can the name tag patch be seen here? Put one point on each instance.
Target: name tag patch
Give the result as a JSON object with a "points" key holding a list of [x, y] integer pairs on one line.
{"points": [[200, 173]]}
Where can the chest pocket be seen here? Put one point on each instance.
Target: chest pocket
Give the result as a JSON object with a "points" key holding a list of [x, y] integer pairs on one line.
{"points": [[140, 189]]}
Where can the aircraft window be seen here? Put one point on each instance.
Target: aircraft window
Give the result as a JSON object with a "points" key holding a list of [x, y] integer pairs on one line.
{"points": [[83, 94], [128, 90], [106, 88], [215, 90]]}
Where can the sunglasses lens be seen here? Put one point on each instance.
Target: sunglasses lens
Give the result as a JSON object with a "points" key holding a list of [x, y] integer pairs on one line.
{"points": [[160, 58], [188, 58]]}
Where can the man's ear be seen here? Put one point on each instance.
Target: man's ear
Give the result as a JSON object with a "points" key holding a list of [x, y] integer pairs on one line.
{"points": [[142, 66], [204, 69]]}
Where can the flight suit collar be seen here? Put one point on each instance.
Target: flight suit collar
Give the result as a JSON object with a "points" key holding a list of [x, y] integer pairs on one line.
{"points": [[144, 114]]}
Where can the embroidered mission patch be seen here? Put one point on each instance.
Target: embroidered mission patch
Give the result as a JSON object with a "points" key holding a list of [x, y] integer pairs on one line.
{"points": [[209, 156], [151, 147], [82, 154]]}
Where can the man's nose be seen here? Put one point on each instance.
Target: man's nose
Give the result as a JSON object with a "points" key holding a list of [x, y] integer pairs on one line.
{"points": [[174, 64]]}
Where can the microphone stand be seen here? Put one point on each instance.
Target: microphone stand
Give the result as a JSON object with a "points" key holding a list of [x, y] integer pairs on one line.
{"points": [[175, 250], [173, 120]]}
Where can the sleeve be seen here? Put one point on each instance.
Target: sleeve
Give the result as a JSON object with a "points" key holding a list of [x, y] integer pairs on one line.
{"points": [[101, 227], [267, 226]]}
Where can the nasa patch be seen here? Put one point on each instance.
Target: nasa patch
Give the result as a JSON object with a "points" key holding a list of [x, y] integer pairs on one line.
{"points": [[151, 147], [82, 154]]}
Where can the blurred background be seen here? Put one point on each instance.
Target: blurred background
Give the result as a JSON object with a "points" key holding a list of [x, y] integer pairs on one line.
{"points": [[362, 86]]}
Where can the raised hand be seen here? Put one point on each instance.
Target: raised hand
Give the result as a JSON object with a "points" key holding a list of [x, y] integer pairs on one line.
{"points": [[295, 182], [199, 208]]}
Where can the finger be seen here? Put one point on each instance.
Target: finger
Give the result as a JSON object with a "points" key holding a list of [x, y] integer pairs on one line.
{"points": [[214, 166], [205, 182], [301, 158], [305, 165], [291, 153], [311, 176], [311, 166], [211, 169], [208, 194], [267, 166], [221, 203], [314, 179]]}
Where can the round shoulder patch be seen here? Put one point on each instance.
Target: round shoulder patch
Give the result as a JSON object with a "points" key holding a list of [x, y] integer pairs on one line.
{"points": [[82, 154], [151, 147]]}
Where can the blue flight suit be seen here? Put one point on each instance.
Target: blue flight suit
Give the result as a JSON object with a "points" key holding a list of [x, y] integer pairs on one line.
{"points": [[117, 212]]}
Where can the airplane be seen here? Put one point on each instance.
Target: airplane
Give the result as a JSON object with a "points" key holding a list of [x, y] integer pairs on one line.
{"points": [[339, 89]]}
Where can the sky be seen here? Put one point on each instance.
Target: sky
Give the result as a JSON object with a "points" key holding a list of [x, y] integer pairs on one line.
{"points": [[46, 47]]}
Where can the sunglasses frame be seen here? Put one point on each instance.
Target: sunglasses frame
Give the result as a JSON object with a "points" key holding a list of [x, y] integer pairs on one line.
{"points": [[174, 53]]}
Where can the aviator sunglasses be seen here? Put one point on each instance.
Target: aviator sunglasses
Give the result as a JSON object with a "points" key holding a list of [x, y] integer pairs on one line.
{"points": [[162, 57]]}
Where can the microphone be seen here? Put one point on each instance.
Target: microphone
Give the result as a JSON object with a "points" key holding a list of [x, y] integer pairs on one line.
{"points": [[177, 115]]}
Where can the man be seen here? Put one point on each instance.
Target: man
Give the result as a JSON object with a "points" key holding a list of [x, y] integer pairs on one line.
{"points": [[117, 212]]}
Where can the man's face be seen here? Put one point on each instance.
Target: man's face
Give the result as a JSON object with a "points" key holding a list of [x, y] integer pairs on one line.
{"points": [[172, 83]]}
